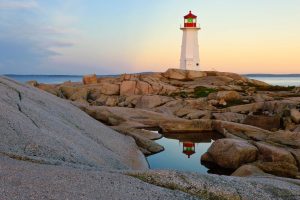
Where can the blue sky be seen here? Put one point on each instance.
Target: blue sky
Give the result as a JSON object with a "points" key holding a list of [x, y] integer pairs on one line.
{"points": [[117, 36]]}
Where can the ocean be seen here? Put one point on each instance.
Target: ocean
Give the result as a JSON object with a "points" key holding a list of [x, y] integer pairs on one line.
{"points": [[282, 80]]}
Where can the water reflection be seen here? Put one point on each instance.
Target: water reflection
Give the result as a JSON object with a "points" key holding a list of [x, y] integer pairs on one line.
{"points": [[183, 151]]}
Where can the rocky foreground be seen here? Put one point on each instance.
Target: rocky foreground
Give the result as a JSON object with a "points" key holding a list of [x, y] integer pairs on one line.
{"points": [[49, 149]]}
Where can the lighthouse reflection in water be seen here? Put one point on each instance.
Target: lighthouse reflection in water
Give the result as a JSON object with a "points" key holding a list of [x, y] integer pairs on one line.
{"points": [[183, 151]]}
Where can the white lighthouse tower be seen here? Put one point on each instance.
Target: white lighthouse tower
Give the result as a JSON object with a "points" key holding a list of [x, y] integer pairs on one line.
{"points": [[190, 48]]}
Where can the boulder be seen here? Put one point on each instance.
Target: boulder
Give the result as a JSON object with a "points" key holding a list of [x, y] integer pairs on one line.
{"points": [[81, 94], [192, 74], [177, 74], [143, 88], [68, 91], [287, 138], [32, 83], [152, 101], [127, 88], [38, 127], [50, 89], [186, 126], [109, 88], [112, 101], [263, 121], [282, 169], [295, 115], [271, 153], [241, 130], [248, 170], [89, 79], [225, 95], [232, 153], [229, 116]]}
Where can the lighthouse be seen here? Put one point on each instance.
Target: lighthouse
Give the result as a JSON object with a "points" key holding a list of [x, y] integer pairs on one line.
{"points": [[190, 48]]}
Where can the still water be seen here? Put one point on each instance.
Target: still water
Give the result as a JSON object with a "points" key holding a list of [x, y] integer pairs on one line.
{"points": [[183, 151]]}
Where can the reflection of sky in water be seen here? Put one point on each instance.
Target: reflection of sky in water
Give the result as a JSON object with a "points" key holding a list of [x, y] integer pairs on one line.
{"points": [[173, 157]]}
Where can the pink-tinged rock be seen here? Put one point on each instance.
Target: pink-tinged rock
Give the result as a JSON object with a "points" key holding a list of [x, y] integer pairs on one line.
{"points": [[89, 79], [232, 153], [127, 88]]}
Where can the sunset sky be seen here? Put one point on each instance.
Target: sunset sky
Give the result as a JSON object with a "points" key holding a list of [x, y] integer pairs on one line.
{"points": [[118, 36]]}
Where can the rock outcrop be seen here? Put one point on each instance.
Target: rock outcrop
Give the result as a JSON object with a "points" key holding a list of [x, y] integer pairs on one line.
{"points": [[49, 149], [231, 153], [42, 128], [265, 117]]}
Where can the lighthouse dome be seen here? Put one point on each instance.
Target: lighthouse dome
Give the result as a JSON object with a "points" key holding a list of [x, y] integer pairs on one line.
{"points": [[190, 15]]}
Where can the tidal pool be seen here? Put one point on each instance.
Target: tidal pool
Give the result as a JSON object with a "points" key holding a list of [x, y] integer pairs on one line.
{"points": [[183, 152]]}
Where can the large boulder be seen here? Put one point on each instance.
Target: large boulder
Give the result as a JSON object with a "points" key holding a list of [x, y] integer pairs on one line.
{"points": [[282, 169], [230, 117], [89, 79], [177, 74], [109, 88], [241, 130], [295, 115], [186, 126], [152, 101], [42, 128], [127, 88], [248, 170], [225, 95], [271, 153], [287, 138], [263, 121], [232, 153]]}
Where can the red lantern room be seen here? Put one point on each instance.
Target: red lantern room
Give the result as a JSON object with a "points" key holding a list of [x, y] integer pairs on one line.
{"points": [[190, 20], [189, 148]]}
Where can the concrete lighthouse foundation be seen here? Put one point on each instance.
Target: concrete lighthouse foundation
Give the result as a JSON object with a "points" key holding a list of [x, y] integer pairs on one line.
{"points": [[190, 58]]}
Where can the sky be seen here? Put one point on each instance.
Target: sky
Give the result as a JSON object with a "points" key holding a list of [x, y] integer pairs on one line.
{"points": [[126, 36]]}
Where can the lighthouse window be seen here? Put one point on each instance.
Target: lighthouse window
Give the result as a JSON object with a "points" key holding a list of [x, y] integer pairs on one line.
{"points": [[190, 20], [197, 64]]}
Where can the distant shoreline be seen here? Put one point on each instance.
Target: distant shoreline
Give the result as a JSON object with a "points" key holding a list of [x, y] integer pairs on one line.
{"points": [[112, 75]]}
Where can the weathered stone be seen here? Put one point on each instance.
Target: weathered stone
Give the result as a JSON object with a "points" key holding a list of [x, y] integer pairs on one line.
{"points": [[109, 88], [248, 170], [223, 187], [89, 79], [50, 89], [225, 95], [291, 139], [38, 127], [232, 153], [152, 101], [112, 101], [186, 126], [68, 91], [143, 88], [241, 130], [192, 74], [271, 153], [127, 88], [229, 116], [295, 115], [32, 83], [81, 94], [264, 122], [283, 169], [176, 74]]}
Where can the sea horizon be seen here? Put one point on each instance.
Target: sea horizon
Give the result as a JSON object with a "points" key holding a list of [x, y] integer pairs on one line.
{"points": [[273, 79]]}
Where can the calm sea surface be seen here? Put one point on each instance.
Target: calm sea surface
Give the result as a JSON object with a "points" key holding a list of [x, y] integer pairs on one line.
{"points": [[282, 80]]}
